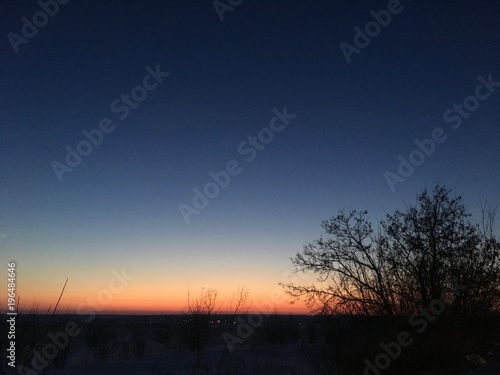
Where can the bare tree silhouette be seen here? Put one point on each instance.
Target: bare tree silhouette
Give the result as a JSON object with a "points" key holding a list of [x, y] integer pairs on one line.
{"points": [[417, 255], [200, 310]]}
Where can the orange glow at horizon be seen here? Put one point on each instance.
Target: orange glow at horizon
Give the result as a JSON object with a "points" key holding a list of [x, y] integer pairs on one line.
{"points": [[140, 288], [135, 306], [141, 298]]}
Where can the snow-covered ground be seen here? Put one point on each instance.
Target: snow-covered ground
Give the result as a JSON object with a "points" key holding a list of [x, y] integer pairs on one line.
{"points": [[158, 345], [162, 345]]}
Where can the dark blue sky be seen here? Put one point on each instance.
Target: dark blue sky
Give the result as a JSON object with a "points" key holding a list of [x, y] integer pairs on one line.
{"points": [[353, 121]]}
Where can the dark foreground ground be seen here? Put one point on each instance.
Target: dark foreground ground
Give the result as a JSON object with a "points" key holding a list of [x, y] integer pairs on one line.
{"points": [[249, 344]]}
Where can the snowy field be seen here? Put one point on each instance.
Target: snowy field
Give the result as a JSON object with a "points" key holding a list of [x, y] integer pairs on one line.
{"points": [[171, 344], [183, 344]]}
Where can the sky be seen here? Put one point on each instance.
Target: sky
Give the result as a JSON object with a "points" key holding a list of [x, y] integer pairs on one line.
{"points": [[224, 134]]}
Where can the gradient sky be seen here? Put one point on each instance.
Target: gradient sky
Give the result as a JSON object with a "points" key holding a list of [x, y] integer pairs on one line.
{"points": [[119, 207]]}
